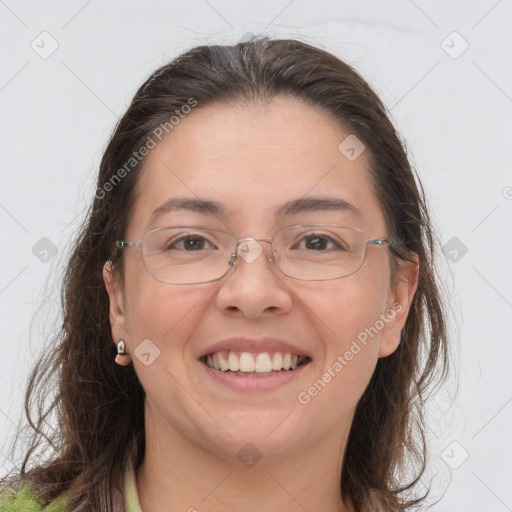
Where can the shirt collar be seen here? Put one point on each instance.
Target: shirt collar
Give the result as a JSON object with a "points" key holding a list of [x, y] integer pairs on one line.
{"points": [[132, 503]]}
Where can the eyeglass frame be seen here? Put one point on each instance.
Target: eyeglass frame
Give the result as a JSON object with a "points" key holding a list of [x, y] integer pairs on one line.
{"points": [[234, 256]]}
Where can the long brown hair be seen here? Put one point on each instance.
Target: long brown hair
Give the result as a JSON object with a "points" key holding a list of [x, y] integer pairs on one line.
{"points": [[100, 406]]}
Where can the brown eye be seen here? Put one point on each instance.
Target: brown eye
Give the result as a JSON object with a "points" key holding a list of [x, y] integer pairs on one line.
{"points": [[319, 243], [189, 243]]}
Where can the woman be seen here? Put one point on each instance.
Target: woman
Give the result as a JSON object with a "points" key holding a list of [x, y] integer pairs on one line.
{"points": [[259, 257]]}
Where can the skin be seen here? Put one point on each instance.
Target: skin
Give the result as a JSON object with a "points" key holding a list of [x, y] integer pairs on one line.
{"points": [[252, 158]]}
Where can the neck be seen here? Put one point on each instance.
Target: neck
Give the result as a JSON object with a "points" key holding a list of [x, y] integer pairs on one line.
{"points": [[178, 474]]}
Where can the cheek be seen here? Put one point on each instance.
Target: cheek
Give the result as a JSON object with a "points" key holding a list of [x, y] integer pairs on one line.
{"points": [[347, 318], [164, 313], [167, 316], [346, 308]]}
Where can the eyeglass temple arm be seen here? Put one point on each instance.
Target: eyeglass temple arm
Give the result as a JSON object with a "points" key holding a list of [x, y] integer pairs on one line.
{"points": [[378, 241], [126, 245]]}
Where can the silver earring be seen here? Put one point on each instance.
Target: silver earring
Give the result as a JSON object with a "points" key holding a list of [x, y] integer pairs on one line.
{"points": [[122, 357]]}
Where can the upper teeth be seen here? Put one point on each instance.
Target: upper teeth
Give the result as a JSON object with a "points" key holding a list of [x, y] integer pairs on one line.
{"points": [[248, 362]]}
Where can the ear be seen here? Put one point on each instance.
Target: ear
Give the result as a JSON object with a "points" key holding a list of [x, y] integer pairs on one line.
{"points": [[117, 306], [399, 304]]}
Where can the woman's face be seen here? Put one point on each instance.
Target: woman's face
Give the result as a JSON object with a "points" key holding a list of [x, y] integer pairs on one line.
{"points": [[252, 160]]}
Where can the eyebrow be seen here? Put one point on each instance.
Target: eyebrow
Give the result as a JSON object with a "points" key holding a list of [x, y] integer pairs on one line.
{"points": [[313, 204], [193, 205], [294, 207]]}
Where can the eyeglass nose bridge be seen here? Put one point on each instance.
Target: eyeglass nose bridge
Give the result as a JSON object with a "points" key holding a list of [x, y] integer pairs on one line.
{"points": [[248, 249]]}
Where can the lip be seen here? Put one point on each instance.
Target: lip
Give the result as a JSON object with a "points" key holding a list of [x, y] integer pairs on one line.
{"points": [[252, 384], [242, 344]]}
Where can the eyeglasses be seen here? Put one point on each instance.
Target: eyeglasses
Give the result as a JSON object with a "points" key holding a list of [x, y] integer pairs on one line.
{"points": [[200, 254]]}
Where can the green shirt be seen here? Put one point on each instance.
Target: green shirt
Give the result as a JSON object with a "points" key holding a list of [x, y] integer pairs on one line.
{"points": [[24, 500]]}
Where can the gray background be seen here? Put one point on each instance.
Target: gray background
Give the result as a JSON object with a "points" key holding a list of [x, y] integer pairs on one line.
{"points": [[69, 69]]}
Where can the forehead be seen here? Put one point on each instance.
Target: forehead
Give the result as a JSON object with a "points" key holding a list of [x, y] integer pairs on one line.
{"points": [[253, 158]]}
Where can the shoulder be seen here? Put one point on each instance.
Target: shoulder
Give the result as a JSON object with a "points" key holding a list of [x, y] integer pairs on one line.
{"points": [[24, 499]]}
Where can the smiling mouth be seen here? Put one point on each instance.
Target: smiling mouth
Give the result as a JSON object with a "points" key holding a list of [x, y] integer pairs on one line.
{"points": [[247, 364]]}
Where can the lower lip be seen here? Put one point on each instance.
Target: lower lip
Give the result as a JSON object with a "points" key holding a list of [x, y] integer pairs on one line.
{"points": [[267, 383]]}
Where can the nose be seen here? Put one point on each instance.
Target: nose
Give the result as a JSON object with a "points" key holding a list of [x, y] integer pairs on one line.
{"points": [[254, 287]]}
